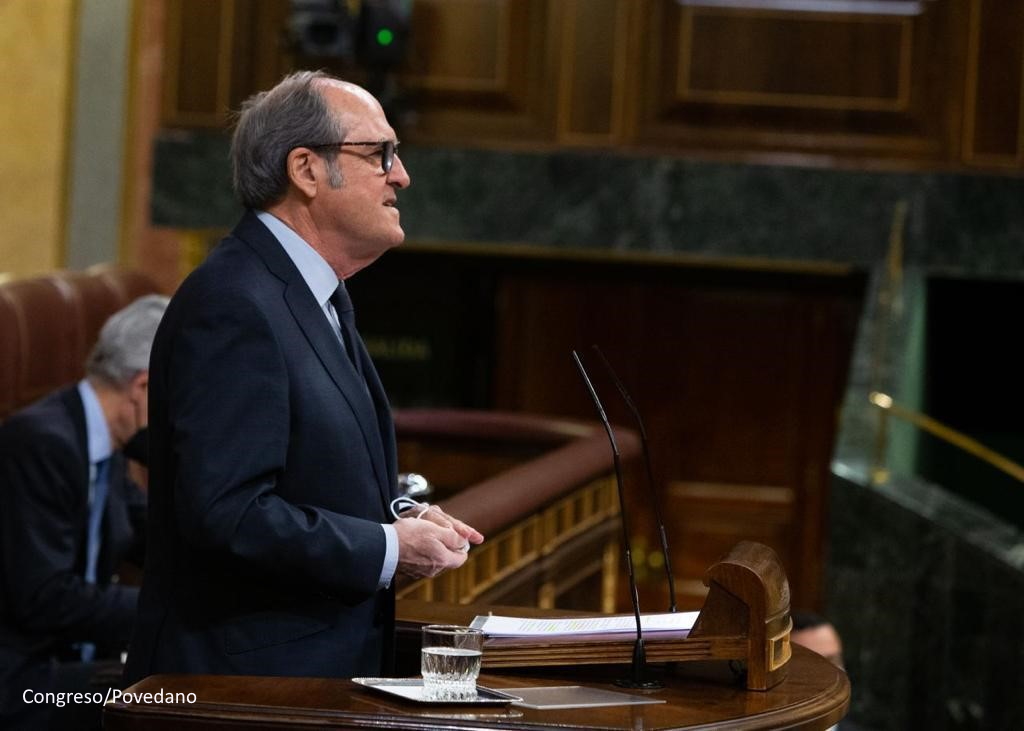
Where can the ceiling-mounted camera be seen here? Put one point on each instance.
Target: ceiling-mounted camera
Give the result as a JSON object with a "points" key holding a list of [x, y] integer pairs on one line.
{"points": [[322, 29]]}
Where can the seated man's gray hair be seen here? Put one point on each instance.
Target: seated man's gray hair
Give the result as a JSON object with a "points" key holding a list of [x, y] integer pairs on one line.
{"points": [[125, 341]]}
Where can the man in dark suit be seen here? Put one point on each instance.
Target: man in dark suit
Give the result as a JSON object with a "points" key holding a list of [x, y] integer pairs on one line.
{"points": [[68, 518], [272, 548]]}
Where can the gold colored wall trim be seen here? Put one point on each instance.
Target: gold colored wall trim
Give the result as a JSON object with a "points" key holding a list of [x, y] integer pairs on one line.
{"points": [[609, 577]]}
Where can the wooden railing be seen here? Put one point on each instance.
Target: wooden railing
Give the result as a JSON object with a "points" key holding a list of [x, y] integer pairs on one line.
{"points": [[541, 490]]}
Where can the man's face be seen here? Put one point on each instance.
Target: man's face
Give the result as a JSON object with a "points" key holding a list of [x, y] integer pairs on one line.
{"points": [[131, 412], [360, 218]]}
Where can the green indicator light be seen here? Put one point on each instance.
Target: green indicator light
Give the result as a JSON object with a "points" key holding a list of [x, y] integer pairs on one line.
{"points": [[385, 37]]}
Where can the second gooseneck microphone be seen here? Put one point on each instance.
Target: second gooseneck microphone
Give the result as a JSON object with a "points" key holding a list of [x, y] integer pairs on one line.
{"points": [[638, 672], [651, 484]]}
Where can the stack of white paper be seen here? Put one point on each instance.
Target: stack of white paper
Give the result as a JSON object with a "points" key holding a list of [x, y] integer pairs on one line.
{"points": [[497, 626]]}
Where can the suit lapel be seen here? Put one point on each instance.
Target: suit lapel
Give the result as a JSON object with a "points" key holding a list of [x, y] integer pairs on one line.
{"points": [[331, 353], [314, 325]]}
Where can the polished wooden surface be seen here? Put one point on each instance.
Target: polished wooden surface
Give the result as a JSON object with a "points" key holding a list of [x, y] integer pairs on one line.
{"points": [[934, 83], [814, 696]]}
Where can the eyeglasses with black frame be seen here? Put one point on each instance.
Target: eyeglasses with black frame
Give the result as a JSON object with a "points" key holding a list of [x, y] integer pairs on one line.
{"points": [[387, 150]]}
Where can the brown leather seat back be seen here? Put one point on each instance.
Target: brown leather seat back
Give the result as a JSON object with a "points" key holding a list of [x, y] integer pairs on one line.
{"points": [[48, 336], [95, 299], [49, 323]]}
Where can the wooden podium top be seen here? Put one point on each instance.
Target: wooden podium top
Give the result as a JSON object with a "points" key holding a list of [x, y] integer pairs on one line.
{"points": [[814, 696]]}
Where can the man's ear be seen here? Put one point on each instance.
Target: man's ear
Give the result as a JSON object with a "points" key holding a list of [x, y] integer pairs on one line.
{"points": [[301, 166], [138, 387]]}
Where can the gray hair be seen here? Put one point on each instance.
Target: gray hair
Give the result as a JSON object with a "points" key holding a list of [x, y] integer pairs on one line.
{"points": [[273, 123], [126, 338]]}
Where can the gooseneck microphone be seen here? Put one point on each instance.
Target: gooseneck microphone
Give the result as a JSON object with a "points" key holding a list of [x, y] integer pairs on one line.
{"points": [[651, 484], [639, 664]]}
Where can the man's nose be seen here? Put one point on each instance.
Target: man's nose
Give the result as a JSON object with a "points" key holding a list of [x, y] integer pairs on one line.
{"points": [[398, 176]]}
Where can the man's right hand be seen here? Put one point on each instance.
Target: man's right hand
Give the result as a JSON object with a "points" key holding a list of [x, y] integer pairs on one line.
{"points": [[426, 549]]}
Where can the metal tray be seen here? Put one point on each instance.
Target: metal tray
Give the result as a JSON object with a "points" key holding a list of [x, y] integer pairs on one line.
{"points": [[411, 689]]}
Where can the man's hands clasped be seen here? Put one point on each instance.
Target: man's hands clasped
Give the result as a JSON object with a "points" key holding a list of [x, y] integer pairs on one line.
{"points": [[431, 541]]}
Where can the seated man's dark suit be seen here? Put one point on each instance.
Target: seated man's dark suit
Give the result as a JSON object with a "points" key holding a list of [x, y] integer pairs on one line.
{"points": [[45, 603], [272, 464]]}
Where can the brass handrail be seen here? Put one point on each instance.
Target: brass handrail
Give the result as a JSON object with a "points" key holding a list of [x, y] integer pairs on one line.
{"points": [[947, 434]]}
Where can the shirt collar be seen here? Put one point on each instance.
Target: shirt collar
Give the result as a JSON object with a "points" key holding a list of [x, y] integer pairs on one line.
{"points": [[96, 430], [314, 269]]}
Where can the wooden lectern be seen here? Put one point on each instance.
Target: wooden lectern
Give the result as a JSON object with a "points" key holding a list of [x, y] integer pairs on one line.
{"points": [[745, 618], [813, 697]]}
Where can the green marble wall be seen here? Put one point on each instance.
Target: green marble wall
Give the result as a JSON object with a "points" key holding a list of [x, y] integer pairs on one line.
{"points": [[605, 201], [925, 587]]}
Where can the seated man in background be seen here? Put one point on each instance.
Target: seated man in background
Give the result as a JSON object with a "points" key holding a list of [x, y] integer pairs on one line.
{"points": [[69, 515], [817, 633]]}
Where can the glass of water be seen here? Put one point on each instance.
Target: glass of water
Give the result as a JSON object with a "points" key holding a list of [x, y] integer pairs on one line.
{"points": [[450, 661]]}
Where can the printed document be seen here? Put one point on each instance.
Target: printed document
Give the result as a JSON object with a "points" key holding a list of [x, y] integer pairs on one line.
{"points": [[497, 626]]}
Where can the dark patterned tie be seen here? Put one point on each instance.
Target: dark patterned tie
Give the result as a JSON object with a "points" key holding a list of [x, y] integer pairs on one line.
{"points": [[342, 304], [97, 503]]}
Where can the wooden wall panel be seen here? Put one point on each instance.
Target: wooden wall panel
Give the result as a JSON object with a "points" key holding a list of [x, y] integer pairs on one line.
{"points": [[196, 75], [995, 83], [910, 83], [738, 382], [707, 518], [462, 47], [813, 61], [593, 55], [218, 53], [829, 78], [477, 69], [257, 48]]}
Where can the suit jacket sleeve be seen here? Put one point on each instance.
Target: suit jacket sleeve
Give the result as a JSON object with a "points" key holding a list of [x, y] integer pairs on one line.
{"points": [[136, 508], [44, 514], [230, 395]]}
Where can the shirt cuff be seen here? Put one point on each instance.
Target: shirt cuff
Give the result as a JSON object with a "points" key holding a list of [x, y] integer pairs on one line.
{"points": [[387, 571]]}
